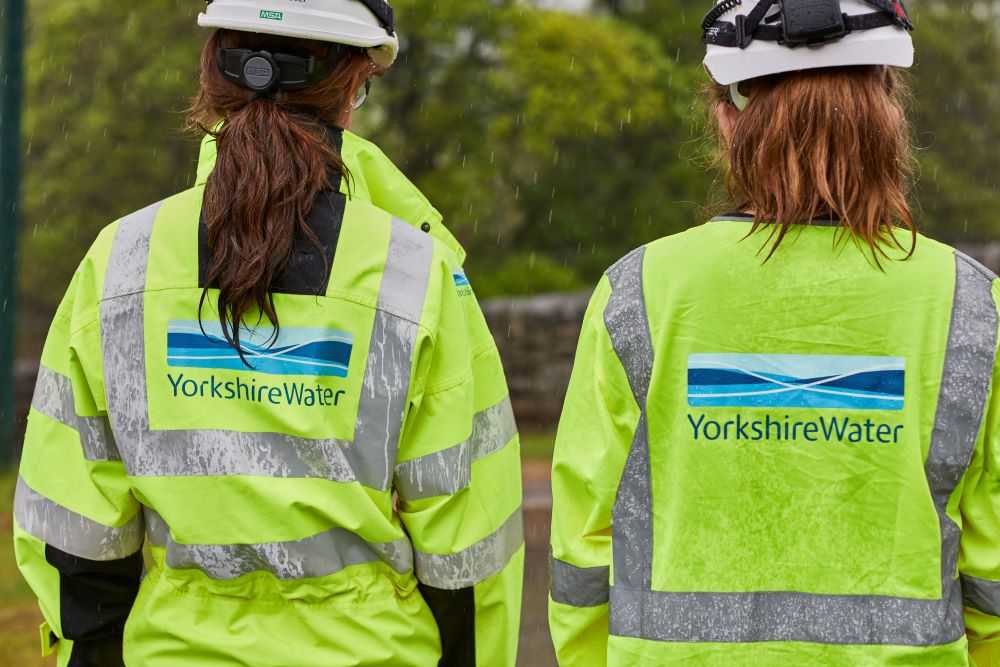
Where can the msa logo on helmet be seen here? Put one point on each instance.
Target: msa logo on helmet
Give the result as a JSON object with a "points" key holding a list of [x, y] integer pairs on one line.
{"points": [[271, 15], [796, 381], [295, 351]]}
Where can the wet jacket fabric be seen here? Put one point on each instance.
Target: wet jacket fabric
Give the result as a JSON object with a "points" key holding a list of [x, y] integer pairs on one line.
{"points": [[354, 498], [794, 462]]}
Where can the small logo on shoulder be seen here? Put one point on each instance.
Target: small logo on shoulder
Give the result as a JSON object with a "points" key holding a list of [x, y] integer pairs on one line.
{"points": [[462, 282]]}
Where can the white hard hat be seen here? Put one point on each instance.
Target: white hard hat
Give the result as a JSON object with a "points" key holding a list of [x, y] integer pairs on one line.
{"points": [[751, 38], [369, 24]]}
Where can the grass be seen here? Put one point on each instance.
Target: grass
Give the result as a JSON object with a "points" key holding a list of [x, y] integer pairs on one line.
{"points": [[19, 615], [537, 446]]}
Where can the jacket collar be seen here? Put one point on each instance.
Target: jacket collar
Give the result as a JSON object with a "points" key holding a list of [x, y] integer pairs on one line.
{"points": [[374, 179]]}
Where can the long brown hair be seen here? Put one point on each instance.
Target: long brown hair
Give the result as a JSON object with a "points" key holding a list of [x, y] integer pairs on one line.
{"points": [[827, 142], [274, 157]]}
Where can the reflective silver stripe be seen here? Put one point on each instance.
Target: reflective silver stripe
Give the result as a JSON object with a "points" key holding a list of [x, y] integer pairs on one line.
{"points": [[219, 453], [321, 555], [122, 337], [157, 530], [71, 532], [386, 384], [981, 594], [578, 586], [638, 611], [784, 616], [477, 563], [965, 385], [447, 472], [54, 399], [628, 326]]}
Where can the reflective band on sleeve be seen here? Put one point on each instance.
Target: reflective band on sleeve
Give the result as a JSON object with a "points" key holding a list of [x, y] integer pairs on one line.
{"points": [[784, 616], [477, 563], [71, 532], [54, 399], [386, 384], [578, 586], [321, 555], [981, 594], [447, 472], [638, 611], [628, 326]]}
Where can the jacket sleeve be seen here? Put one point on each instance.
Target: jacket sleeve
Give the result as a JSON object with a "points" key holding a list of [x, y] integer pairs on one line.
{"points": [[458, 483], [979, 557], [598, 422], [78, 530]]}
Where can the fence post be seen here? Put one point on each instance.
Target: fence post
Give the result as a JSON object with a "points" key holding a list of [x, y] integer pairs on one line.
{"points": [[11, 92]]}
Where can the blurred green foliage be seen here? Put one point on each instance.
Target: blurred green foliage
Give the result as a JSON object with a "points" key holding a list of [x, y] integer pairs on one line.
{"points": [[553, 142]]}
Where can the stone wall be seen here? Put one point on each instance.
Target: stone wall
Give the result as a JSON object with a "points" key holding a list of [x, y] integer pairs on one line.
{"points": [[537, 338]]}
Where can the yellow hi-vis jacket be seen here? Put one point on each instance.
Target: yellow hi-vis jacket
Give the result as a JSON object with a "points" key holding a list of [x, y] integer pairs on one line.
{"points": [[353, 498], [791, 462]]}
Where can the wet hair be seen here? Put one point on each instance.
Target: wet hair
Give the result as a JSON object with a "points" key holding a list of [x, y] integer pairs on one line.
{"points": [[823, 143], [274, 158]]}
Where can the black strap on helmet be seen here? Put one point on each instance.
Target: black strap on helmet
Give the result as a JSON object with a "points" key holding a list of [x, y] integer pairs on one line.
{"points": [[266, 72], [384, 12], [802, 22]]}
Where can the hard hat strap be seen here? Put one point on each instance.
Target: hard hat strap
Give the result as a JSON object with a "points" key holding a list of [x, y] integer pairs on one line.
{"points": [[266, 72], [817, 22], [384, 12]]}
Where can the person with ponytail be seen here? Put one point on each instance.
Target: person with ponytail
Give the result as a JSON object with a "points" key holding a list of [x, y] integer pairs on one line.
{"points": [[271, 426], [781, 440]]}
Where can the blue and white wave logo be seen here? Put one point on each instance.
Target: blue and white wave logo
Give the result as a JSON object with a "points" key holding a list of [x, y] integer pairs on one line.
{"points": [[796, 381], [297, 350], [460, 278]]}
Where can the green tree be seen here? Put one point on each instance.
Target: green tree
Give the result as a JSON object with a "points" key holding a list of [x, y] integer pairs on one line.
{"points": [[553, 142], [107, 83]]}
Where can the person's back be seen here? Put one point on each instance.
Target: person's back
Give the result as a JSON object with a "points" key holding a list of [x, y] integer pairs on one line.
{"points": [[325, 474], [780, 439]]}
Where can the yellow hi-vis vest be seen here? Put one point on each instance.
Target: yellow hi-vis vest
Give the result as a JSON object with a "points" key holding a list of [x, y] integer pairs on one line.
{"points": [[352, 497], [790, 462]]}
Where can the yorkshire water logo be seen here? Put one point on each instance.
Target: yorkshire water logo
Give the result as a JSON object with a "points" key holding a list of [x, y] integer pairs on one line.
{"points": [[796, 381], [461, 282], [296, 351]]}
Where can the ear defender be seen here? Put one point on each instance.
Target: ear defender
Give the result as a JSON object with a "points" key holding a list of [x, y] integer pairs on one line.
{"points": [[265, 72], [738, 98]]}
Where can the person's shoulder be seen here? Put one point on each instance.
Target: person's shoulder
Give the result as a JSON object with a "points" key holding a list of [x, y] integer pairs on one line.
{"points": [[685, 241]]}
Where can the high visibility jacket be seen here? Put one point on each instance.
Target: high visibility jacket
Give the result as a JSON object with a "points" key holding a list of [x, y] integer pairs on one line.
{"points": [[794, 462], [352, 499]]}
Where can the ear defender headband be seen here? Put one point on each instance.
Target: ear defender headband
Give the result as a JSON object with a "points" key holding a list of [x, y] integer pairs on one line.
{"points": [[266, 72]]}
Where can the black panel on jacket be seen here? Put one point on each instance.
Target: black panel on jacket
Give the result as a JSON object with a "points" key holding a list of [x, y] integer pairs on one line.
{"points": [[308, 268], [306, 271], [455, 613], [95, 599]]}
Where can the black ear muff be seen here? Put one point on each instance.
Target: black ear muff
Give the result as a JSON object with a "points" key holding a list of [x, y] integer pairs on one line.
{"points": [[259, 72], [264, 72]]}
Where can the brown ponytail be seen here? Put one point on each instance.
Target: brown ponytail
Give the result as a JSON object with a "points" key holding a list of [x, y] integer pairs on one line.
{"points": [[827, 142], [274, 158]]}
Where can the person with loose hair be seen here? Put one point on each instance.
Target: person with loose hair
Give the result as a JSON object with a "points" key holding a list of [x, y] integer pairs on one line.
{"points": [[271, 427], [781, 440]]}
